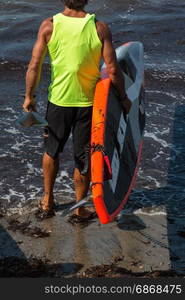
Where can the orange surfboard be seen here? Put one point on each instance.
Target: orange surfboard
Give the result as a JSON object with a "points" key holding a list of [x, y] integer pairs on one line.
{"points": [[116, 138]]}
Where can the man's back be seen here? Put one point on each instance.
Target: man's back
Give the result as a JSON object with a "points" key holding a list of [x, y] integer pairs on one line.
{"points": [[75, 52]]}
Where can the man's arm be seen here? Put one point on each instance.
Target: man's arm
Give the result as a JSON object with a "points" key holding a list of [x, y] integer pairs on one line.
{"points": [[109, 57], [35, 66]]}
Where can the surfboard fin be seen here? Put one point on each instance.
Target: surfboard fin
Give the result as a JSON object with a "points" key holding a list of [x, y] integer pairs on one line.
{"points": [[84, 202]]}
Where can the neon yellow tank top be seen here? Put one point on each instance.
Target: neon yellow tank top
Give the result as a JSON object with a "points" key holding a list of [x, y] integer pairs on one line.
{"points": [[75, 53]]}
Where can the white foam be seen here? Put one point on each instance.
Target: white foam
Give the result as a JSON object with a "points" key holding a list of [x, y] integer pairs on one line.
{"points": [[159, 131], [12, 130], [148, 211], [165, 131], [158, 140], [61, 176], [150, 178], [3, 155], [123, 17], [4, 62], [174, 96], [140, 211], [32, 169], [10, 109], [179, 62], [34, 191], [12, 193], [156, 157]]}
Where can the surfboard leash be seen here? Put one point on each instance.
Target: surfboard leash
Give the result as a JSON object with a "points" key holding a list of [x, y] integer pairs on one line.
{"points": [[107, 164]]}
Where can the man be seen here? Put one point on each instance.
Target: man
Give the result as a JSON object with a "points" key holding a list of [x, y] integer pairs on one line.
{"points": [[76, 42]]}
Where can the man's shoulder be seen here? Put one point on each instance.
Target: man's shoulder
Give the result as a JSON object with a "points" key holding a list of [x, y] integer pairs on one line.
{"points": [[47, 22], [46, 26], [102, 29], [101, 25]]}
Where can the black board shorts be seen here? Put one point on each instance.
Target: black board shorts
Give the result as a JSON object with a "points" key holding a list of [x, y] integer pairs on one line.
{"points": [[61, 122]]}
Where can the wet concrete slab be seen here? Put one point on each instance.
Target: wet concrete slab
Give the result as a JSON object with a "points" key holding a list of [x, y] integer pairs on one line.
{"points": [[137, 242], [146, 248]]}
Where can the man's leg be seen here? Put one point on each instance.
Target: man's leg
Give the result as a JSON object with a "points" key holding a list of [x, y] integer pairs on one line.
{"points": [[50, 170], [81, 142], [81, 183]]}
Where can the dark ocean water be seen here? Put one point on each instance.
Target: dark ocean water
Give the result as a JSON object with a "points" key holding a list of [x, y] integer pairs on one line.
{"points": [[159, 25]]}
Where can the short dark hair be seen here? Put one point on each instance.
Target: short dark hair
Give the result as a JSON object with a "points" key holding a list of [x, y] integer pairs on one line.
{"points": [[75, 4]]}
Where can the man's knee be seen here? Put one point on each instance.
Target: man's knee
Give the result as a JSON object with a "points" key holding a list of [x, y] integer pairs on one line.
{"points": [[80, 178]]}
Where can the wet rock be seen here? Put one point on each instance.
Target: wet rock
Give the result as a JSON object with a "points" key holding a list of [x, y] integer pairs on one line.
{"points": [[34, 267], [156, 274], [41, 267], [104, 271], [113, 271], [25, 228], [13, 266], [83, 222], [19, 267]]}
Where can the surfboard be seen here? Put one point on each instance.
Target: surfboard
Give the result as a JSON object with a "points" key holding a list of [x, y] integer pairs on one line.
{"points": [[116, 138]]}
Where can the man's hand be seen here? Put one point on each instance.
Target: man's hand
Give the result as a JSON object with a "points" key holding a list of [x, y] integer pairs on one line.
{"points": [[126, 104], [29, 104], [35, 66]]}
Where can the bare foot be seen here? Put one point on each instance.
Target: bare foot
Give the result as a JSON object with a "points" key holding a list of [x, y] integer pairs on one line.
{"points": [[47, 203], [83, 212]]}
